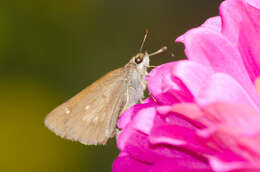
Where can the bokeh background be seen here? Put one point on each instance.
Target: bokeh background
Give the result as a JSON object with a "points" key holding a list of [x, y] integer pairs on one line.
{"points": [[51, 49]]}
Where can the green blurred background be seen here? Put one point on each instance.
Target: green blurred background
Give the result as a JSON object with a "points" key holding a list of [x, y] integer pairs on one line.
{"points": [[51, 49]]}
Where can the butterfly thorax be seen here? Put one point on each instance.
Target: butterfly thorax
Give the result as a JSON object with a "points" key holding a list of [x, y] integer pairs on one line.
{"points": [[136, 71]]}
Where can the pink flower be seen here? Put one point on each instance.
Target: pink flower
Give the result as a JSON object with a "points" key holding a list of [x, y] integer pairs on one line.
{"points": [[205, 111]]}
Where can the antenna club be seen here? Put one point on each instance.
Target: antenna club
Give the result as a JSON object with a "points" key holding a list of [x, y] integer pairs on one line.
{"points": [[146, 31], [164, 48], [159, 51]]}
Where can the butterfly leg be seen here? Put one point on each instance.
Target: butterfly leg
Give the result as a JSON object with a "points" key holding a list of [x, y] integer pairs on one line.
{"points": [[117, 132], [154, 99], [128, 102]]}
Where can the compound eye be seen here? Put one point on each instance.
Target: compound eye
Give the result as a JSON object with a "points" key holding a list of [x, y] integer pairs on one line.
{"points": [[138, 60]]}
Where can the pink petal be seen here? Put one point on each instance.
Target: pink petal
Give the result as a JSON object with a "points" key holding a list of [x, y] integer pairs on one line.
{"points": [[245, 119], [180, 165], [234, 123], [130, 113], [249, 49], [138, 147], [237, 166], [165, 135], [213, 23], [160, 84], [185, 70], [241, 124], [229, 129], [124, 136], [236, 130], [127, 164], [254, 3], [190, 110], [210, 48], [177, 82], [166, 88], [134, 141], [178, 136], [241, 24], [156, 76], [167, 98], [143, 121], [223, 88], [213, 50], [167, 117], [127, 116], [230, 12], [257, 85]]}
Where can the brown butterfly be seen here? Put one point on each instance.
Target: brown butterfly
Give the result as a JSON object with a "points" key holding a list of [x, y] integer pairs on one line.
{"points": [[90, 117]]}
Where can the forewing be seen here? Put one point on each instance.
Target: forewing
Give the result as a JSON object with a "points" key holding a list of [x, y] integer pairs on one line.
{"points": [[90, 116]]}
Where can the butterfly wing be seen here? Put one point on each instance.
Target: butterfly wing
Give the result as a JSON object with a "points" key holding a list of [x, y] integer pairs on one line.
{"points": [[90, 116]]}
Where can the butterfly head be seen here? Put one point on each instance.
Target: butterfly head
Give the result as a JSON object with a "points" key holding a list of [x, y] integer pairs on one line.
{"points": [[141, 61]]}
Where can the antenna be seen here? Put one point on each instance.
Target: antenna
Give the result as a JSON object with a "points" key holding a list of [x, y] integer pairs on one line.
{"points": [[159, 51], [145, 37]]}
